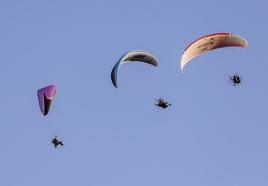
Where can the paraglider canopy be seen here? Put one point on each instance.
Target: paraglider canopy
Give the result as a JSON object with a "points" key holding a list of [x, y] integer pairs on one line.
{"points": [[45, 97], [210, 42], [134, 55]]}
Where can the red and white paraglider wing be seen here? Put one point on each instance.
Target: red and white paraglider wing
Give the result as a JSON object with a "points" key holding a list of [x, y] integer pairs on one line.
{"points": [[210, 42]]}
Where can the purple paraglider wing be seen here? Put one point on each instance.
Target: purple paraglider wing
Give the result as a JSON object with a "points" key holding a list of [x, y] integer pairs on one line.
{"points": [[45, 97]]}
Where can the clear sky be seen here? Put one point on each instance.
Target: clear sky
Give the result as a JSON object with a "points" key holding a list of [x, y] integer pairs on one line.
{"points": [[212, 135]]}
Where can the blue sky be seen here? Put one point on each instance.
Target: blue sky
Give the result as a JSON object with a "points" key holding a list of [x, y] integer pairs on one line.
{"points": [[213, 134]]}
